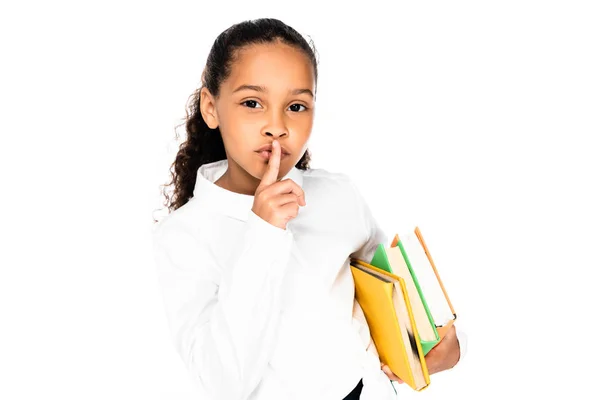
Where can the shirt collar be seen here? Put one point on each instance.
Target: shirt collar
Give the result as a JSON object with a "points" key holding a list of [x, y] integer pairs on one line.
{"points": [[224, 201]]}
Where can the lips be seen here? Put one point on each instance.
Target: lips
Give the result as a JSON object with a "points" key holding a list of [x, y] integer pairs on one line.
{"points": [[269, 148], [265, 154]]}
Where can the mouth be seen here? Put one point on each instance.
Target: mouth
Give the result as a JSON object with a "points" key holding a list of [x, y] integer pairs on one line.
{"points": [[266, 154], [265, 151]]}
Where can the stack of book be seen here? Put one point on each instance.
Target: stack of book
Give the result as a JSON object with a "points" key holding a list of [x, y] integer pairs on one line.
{"points": [[405, 304]]}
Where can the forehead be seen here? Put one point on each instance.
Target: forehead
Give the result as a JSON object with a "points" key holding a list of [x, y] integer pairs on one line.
{"points": [[276, 66]]}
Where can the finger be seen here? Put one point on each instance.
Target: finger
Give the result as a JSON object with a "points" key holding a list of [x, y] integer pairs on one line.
{"points": [[286, 198], [289, 186], [390, 374], [387, 371], [270, 175], [290, 210]]}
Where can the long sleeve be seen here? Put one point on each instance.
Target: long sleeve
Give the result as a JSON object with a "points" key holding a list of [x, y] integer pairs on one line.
{"points": [[223, 318], [462, 341], [374, 234]]}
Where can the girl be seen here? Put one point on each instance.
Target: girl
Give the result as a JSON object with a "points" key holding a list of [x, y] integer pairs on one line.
{"points": [[253, 260]]}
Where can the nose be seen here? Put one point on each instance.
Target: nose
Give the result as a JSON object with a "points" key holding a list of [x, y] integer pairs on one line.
{"points": [[275, 126], [275, 135]]}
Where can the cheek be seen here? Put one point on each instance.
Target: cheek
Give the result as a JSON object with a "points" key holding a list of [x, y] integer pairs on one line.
{"points": [[302, 125], [243, 121], [237, 128]]}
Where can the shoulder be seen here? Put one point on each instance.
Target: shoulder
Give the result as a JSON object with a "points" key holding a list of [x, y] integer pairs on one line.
{"points": [[320, 178], [334, 191], [182, 221]]}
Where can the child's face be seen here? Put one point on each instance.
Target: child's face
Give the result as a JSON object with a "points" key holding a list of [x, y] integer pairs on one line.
{"points": [[280, 105]]}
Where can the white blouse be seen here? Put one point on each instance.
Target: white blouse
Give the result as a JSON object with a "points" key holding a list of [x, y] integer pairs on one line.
{"points": [[261, 313]]}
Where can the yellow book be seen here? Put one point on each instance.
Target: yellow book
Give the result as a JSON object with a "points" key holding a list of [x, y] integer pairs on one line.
{"points": [[385, 303]]}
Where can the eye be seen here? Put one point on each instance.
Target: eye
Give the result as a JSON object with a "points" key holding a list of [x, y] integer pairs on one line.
{"points": [[294, 107], [251, 104]]}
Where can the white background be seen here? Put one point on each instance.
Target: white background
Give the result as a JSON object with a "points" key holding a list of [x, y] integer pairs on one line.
{"points": [[477, 121]]}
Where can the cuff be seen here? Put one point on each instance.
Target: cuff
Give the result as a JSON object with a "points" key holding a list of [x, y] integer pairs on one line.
{"points": [[462, 343]]}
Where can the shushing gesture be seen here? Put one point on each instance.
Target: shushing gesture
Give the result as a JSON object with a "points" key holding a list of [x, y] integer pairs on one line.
{"points": [[277, 202]]}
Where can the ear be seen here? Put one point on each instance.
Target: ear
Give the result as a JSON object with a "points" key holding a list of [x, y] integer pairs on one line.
{"points": [[208, 108]]}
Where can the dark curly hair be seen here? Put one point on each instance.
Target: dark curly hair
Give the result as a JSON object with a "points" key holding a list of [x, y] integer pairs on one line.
{"points": [[205, 145]]}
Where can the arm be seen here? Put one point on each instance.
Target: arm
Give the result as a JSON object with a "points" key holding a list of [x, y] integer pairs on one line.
{"points": [[374, 234], [222, 323]]}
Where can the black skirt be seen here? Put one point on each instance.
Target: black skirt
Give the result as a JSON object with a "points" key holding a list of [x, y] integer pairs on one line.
{"points": [[355, 393]]}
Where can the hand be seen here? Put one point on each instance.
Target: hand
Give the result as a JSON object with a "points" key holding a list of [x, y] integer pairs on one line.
{"points": [[277, 202], [443, 356]]}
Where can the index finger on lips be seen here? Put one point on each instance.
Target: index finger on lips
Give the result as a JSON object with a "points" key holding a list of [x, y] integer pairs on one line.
{"points": [[270, 175]]}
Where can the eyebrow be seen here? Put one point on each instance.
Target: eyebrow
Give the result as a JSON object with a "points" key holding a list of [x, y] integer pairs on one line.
{"points": [[263, 89]]}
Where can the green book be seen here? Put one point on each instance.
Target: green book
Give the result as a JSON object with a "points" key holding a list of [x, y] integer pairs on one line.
{"points": [[395, 260]]}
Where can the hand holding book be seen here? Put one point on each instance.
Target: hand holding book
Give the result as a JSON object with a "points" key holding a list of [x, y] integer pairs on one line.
{"points": [[443, 356]]}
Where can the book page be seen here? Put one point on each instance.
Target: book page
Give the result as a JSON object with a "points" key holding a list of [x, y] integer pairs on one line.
{"points": [[408, 336], [396, 260], [434, 295]]}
